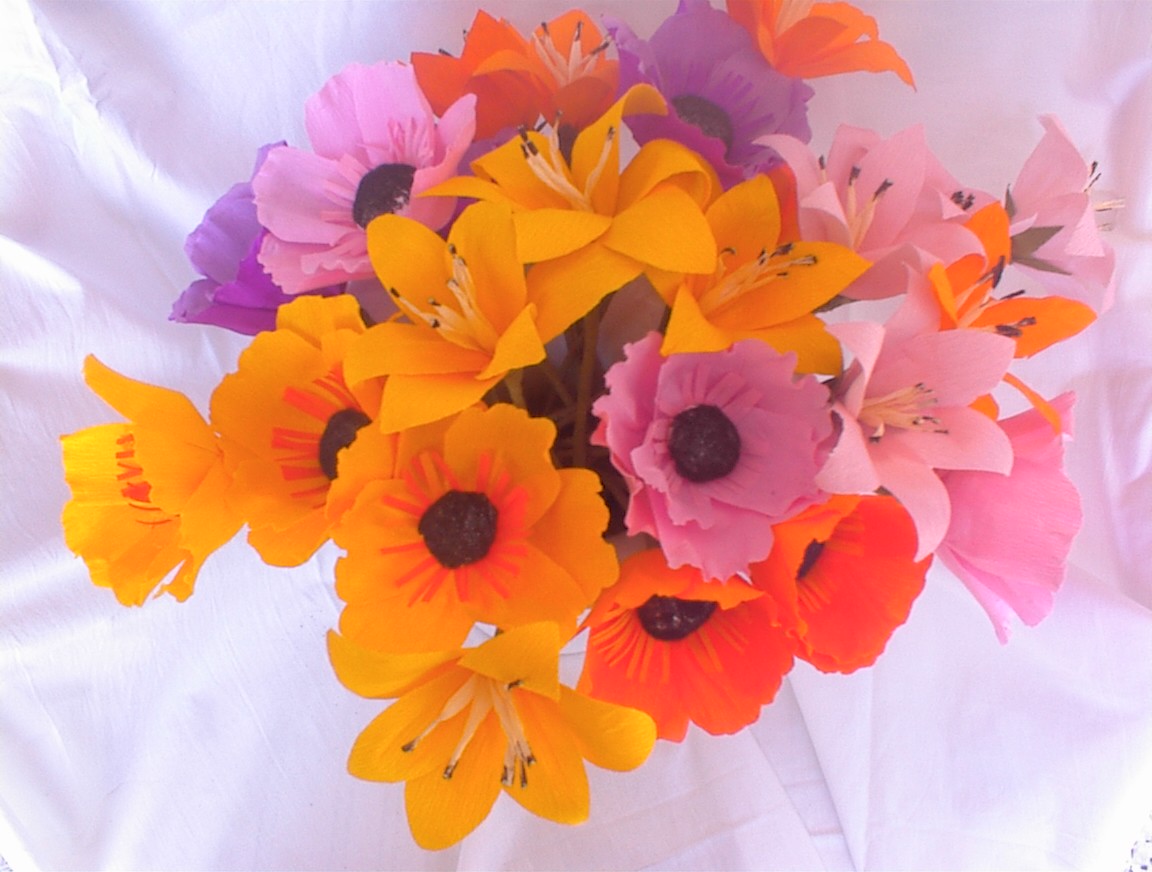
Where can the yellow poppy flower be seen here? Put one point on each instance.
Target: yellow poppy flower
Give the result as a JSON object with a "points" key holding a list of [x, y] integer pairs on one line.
{"points": [[472, 313], [762, 288], [470, 722], [479, 526], [284, 417], [148, 496], [589, 227]]}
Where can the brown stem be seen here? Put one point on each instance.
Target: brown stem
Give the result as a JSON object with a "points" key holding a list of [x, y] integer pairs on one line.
{"points": [[584, 388]]}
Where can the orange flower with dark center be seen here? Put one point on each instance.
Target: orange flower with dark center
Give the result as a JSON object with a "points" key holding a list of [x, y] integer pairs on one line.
{"points": [[667, 642], [286, 417], [478, 525], [841, 579], [805, 40]]}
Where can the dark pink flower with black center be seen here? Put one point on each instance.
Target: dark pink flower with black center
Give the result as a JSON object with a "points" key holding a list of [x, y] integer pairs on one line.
{"points": [[715, 447]]}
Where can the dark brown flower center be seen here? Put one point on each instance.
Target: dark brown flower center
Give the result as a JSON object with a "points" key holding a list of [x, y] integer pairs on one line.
{"points": [[667, 618], [710, 118], [339, 432], [811, 555], [459, 528], [382, 190], [704, 443]]}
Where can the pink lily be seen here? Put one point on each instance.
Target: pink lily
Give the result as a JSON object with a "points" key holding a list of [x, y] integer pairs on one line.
{"points": [[1009, 537], [904, 405]]}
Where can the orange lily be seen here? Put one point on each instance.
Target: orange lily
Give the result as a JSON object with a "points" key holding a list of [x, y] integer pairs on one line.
{"points": [[805, 40]]}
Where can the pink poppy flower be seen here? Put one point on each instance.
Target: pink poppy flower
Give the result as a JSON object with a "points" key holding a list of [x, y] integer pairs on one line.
{"points": [[377, 145], [1054, 233], [890, 200], [904, 404], [716, 447], [1009, 537]]}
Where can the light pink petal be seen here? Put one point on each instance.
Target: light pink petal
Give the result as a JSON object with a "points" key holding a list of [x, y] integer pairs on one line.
{"points": [[799, 158], [1031, 434], [1055, 167], [994, 594], [822, 216], [298, 195], [299, 266], [366, 104], [956, 365], [969, 440], [865, 339], [887, 277], [917, 488], [899, 161], [849, 146], [946, 242], [849, 468]]}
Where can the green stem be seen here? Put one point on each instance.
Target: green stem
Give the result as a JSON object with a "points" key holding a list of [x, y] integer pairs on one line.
{"points": [[514, 382], [553, 375], [584, 388]]}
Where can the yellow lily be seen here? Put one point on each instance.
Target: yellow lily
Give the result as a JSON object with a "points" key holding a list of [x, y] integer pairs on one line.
{"points": [[468, 723], [762, 288], [588, 227]]}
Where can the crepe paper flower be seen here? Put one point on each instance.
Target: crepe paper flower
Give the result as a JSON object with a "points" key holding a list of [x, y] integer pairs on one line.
{"points": [[148, 496], [1009, 536], [805, 39], [715, 447], [285, 417], [587, 226], [763, 288], [723, 93], [841, 579], [903, 405], [562, 73], [235, 292], [480, 527], [668, 643], [377, 146], [890, 200], [1055, 237], [468, 723], [474, 317]]}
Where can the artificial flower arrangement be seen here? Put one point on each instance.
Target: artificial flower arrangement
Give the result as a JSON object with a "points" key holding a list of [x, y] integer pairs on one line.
{"points": [[574, 333]]}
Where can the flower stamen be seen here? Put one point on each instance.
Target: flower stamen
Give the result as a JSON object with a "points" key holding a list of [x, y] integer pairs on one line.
{"points": [[905, 408]]}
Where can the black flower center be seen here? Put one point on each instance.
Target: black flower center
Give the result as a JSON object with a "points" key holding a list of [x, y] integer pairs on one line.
{"points": [[710, 118], [704, 443], [339, 432], [383, 190], [459, 528], [667, 618], [811, 555]]}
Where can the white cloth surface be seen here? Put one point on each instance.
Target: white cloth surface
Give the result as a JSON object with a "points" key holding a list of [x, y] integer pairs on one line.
{"points": [[213, 735]]}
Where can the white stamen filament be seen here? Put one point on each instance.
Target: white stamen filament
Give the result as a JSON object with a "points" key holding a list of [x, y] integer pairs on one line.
{"points": [[468, 327], [553, 171], [905, 408], [764, 269], [565, 70], [859, 216]]}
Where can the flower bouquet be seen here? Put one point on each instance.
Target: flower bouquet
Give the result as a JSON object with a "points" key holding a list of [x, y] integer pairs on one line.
{"points": [[575, 336]]}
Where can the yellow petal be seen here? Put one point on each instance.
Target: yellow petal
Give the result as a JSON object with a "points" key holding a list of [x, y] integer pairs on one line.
{"points": [[816, 349], [555, 786], [407, 256], [380, 675], [518, 346], [566, 289], [746, 218], [313, 317], [378, 753], [508, 168], [442, 811], [664, 161], [688, 330], [472, 187], [544, 234], [684, 243], [528, 656], [408, 349], [410, 400], [609, 736], [486, 238]]}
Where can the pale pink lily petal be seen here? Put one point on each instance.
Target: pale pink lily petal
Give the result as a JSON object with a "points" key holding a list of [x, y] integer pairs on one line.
{"points": [[958, 365], [1009, 536], [918, 489], [976, 442]]}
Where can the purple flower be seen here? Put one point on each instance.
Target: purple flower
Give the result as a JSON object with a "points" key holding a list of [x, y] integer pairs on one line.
{"points": [[235, 292], [724, 93], [716, 447]]}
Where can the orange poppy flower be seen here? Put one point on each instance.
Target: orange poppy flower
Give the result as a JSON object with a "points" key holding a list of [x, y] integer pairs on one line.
{"points": [[285, 417], [562, 73], [667, 642], [806, 40], [479, 526], [148, 496], [841, 579]]}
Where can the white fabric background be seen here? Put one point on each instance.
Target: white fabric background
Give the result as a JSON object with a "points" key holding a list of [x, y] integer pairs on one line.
{"points": [[212, 734]]}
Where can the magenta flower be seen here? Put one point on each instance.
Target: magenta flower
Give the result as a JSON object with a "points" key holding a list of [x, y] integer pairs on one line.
{"points": [[1009, 537], [722, 94], [1054, 233], [235, 292], [716, 447], [904, 403], [377, 146], [890, 200]]}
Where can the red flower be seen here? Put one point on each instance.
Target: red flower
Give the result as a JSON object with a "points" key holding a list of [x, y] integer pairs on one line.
{"points": [[667, 642]]}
